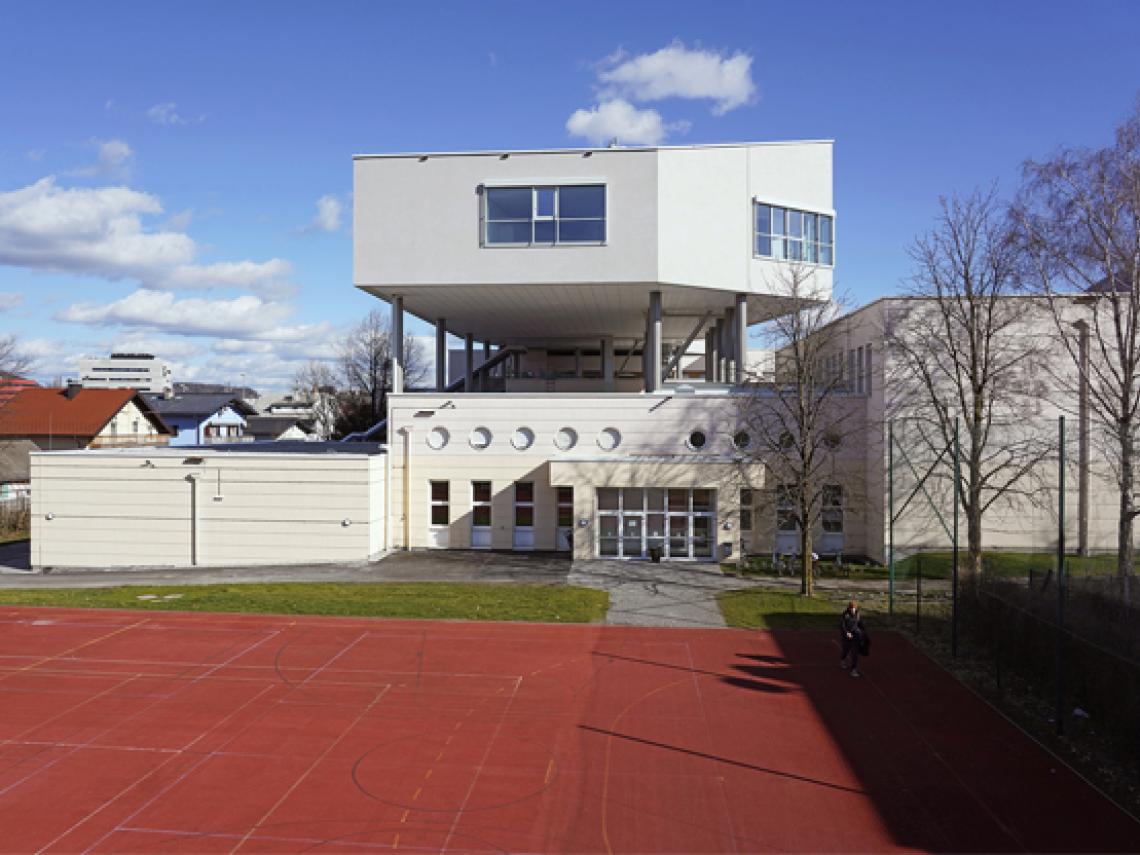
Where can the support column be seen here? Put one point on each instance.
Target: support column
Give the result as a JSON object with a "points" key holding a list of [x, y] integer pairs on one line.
{"points": [[469, 360], [730, 364], [718, 351], [578, 362], [652, 358], [440, 354], [740, 337], [608, 363], [484, 379], [397, 346], [710, 355]]}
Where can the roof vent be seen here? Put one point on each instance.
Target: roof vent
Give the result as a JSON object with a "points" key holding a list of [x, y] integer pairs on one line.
{"points": [[72, 389]]}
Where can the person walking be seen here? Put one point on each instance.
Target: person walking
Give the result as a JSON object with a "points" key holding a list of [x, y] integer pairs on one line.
{"points": [[851, 634]]}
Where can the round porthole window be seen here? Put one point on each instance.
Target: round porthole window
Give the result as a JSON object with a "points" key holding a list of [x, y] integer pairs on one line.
{"points": [[741, 439], [609, 439], [522, 438], [480, 438], [437, 438], [565, 439], [697, 440]]}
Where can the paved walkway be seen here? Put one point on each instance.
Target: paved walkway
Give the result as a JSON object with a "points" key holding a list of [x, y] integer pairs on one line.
{"points": [[666, 594]]}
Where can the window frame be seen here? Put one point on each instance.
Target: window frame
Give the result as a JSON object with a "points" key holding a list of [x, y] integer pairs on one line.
{"points": [[555, 218], [434, 503], [785, 239]]}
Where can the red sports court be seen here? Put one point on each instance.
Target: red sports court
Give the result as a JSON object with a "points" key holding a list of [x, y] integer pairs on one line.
{"points": [[135, 732]]}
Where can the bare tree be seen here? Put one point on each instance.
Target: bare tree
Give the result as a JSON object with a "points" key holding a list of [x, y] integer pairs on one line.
{"points": [[961, 350], [315, 383], [801, 421], [13, 362], [366, 369], [1079, 219]]}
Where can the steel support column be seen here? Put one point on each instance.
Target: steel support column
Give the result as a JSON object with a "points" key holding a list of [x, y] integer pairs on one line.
{"points": [[397, 347], [440, 354]]}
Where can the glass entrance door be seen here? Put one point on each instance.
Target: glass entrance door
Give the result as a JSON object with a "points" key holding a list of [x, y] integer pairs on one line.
{"points": [[632, 540], [635, 523]]}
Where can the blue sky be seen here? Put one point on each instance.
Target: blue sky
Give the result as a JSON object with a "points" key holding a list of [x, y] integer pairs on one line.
{"points": [[176, 177]]}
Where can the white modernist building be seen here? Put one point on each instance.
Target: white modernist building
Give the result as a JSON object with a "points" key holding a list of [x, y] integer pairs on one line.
{"points": [[584, 277], [604, 298], [141, 371]]}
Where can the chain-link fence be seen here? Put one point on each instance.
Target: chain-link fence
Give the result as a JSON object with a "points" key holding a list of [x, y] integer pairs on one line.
{"points": [[15, 515]]}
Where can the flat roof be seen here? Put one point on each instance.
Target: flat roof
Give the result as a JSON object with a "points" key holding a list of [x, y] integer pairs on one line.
{"points": [[589, 149], [291, 447]]}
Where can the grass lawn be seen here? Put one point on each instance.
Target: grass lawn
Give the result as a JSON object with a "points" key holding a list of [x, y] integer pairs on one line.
{"points": [[414, 600], [7, 536], [937, 565], [760, 609]]}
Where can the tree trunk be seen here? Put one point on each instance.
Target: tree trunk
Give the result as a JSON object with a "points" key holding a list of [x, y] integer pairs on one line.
{"points": [[974, 535], [807, 586]]}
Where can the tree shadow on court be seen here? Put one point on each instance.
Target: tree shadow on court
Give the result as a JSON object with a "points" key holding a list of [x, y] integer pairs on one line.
{"points": [[941, 769]]}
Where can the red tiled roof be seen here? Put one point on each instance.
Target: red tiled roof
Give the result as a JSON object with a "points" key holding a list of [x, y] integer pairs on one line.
{"points": [[46, 412], [10, 386]]}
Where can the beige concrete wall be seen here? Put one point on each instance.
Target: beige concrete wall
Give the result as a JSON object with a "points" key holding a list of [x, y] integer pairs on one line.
{"points": [[161, 506], [652, 452]]}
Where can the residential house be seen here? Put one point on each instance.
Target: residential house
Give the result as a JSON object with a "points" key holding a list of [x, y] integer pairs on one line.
{"points": [[278, 429], [75, 417], [204, 418]]}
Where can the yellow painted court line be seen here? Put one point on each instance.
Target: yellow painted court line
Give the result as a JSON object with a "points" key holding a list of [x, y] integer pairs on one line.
{"points": [[438, 756], [396, 842], [417, 795], [549, 771], [69, 651], [427, 774], [404, 818]]}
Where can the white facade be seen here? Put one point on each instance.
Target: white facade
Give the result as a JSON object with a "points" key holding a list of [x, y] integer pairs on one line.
{"points": [[205, 507], [678, 220], [595, 405], [141, 371], [598, 412]]}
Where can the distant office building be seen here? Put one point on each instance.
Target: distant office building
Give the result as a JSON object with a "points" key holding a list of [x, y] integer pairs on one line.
{"points": [[141, 371]]}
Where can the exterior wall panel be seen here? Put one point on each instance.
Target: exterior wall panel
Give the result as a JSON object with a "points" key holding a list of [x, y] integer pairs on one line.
{"points": [[144, 508]]}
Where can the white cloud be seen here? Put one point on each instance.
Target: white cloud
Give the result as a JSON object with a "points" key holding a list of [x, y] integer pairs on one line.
{"points": [[329, 211], [675, 71], [100, 232], [10, 300], [246, 316], [113, 157], [113, 154], [35, 154], [620, 120], [167, 114]]}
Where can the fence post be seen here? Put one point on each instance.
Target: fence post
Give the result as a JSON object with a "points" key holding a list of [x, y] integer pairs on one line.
{"points": [[918, 596], [891, 517], [1060, 655], [954, 569]]}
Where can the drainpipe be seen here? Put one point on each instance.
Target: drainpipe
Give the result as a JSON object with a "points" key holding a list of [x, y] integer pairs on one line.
{"points": [[407, 486], [192, 479]]}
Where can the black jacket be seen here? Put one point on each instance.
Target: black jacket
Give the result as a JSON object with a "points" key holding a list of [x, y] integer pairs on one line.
{"points": [[850, 622]]}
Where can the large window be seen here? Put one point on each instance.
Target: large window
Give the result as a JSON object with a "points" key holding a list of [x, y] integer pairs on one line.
{"points": [[675, 523], [440, 503], [788, 234], [481, 514], [544, 216]]}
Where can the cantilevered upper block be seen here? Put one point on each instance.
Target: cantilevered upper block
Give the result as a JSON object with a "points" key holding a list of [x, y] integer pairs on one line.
{"points": [[570, 242]]}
